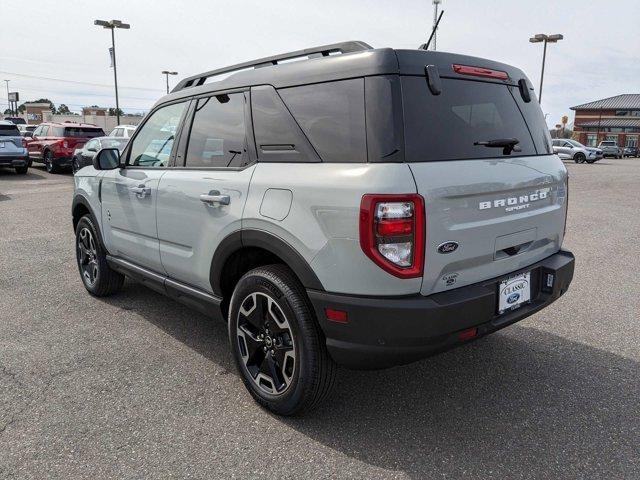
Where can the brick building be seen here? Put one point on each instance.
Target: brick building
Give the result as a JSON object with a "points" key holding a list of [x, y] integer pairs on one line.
{"points": [[614, 118]]}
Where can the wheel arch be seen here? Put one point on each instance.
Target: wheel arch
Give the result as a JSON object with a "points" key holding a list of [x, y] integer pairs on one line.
{"points": [[80, 207], [244, 250]]}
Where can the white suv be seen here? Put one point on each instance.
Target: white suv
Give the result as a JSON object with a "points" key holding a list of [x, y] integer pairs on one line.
{"points": [[123, 131], [353, 208]]}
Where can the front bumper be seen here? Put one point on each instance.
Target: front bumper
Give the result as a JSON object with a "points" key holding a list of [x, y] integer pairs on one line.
{"points": [[385, 331]]}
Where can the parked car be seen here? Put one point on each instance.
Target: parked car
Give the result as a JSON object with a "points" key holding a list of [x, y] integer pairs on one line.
{"points": [[83, 156], [327, 233], [55, 143], [12, 149], [15, 120], [123, 131], [610, 149], [630, 152], [568, 149], [26, 130]]}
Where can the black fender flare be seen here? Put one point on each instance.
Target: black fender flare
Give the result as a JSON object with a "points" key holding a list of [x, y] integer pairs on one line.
{"points": [[269, 242], [79, 199]]}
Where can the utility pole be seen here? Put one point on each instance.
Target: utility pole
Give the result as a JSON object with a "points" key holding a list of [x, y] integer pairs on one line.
{"points": [[541, 37], [166, 73], [436, 4], [9, 101], [112, 25]]}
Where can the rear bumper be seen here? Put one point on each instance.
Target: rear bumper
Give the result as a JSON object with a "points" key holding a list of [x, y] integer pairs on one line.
{"points": [[14, 160], [385, 331]]}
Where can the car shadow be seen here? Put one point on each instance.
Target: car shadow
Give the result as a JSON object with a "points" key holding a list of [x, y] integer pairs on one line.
{"points": [[521, 403], [30, 175]]}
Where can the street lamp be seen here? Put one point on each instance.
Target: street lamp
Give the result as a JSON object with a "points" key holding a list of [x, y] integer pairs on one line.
{"points": [[541, 37], [436, 3], [166, 73], [112, 25]]}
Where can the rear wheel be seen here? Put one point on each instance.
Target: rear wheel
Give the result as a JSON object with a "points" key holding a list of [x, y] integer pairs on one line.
{"points": [[277, 344], [579, 158], [22, 170], [49, 162], [75, 165], [98, 278]]}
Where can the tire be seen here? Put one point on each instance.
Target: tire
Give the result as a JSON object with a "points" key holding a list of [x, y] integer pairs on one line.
{"points": [[579, 158], [295, 373], [75, 166], [22, 170], [98, 278], [49, 162]]}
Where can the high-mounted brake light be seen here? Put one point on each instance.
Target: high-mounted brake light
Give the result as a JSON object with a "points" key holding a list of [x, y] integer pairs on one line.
{"points": [[392, 232], [480, 72]]}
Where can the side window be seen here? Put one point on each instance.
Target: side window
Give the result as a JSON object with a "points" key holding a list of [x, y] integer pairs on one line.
{"points": [[217, 137], [332, 117], [92, 144], [44, 131], [118, 132], [37, 131], [152, 146]]}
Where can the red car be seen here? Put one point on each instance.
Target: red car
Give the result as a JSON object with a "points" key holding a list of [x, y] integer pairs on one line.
{"points": [[54, 143]]}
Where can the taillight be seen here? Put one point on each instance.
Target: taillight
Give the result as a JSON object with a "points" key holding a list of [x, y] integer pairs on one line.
{"points": [[392, 232], [24, 142], [480, 72]]}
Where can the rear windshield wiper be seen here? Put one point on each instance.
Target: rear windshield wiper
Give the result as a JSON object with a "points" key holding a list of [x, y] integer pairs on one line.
{"points": [[508, 145]]}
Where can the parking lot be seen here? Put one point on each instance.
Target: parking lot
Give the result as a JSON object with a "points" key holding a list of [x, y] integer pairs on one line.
{"points": [[137, 385]]}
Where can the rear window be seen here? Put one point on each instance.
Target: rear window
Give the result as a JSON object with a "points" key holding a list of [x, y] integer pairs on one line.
{"points": [[9, 131], [446, 126], [118, 143], [83, 132]]}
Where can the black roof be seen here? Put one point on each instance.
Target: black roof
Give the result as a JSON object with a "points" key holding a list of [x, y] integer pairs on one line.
{"points": [[626, 101], [346, 60]]}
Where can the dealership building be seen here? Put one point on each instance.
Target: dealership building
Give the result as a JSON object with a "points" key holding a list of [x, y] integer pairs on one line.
{"points": [[614, 118]]}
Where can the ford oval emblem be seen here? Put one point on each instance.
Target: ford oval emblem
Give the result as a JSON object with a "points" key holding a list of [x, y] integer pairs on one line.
{"points": [[447, 247], [513, 298]]}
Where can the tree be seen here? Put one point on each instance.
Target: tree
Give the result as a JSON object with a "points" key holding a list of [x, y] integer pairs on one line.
{"points": [[63, 109], [8, 111], [113, 112]]}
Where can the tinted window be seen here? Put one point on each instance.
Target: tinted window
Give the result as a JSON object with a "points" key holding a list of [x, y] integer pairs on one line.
{"points": [[9, 131], [217, 137], [445, 126], [82, 132], [332, 116], [152, 146]]}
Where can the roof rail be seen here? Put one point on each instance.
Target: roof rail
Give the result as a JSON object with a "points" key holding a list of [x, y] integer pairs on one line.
{"points": [[322, 51]]}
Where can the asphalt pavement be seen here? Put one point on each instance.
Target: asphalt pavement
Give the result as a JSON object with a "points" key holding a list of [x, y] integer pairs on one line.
{"points": [[138, 386]]}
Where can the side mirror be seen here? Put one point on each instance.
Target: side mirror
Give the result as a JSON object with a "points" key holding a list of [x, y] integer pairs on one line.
{"points": [[107, 159]]}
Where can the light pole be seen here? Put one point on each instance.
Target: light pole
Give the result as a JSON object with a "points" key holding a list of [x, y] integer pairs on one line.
{"points": [[166, 73], [541, 37], [9, 101], [436, 3], [112, 25]]}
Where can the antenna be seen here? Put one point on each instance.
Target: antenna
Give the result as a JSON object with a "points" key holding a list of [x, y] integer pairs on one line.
{"points": [[425, 46]]}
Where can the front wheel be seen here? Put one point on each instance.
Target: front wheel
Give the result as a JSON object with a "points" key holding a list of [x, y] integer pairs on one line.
{"points": [[75, 165], [98, 278], [22, 170], [579, 158], [277, 343]]}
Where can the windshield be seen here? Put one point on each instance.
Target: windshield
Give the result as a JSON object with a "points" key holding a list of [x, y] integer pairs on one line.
{"points": [[469, 119], [9, 131], [83, 132]]}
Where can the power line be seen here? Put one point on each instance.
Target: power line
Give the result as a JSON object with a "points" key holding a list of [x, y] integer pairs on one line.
{"points": [[77, 82]]}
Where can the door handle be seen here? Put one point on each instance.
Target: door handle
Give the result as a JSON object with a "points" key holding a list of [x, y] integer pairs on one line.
{"points": [[141, 191], [214, 198]]}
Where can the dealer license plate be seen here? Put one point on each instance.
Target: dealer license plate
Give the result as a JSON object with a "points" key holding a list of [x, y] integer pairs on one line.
{"points": [[514, 292]]}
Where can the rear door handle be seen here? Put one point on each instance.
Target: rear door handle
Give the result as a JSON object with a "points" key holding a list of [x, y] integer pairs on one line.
{"points": [[141, 191], [214, 198]]}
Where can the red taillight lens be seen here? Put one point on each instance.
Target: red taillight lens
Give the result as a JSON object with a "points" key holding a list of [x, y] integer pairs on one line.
{"points": [[480, 72], [338, 316], [392, 232]]}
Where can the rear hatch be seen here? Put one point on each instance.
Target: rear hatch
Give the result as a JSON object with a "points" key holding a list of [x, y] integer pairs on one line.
{"points": [[490, 209], [10, 140]]}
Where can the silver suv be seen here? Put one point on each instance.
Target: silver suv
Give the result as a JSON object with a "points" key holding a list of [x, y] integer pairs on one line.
{"points": [[567, 148], [362, 207]]}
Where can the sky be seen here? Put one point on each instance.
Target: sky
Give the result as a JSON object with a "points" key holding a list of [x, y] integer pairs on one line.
{"points": [[57, 52]]}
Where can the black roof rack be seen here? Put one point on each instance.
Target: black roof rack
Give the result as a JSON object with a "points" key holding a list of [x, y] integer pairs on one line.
{"points": [[322, 51]]}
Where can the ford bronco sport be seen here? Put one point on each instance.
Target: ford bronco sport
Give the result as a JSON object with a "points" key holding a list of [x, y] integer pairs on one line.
{"points": [[363, 207]]}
